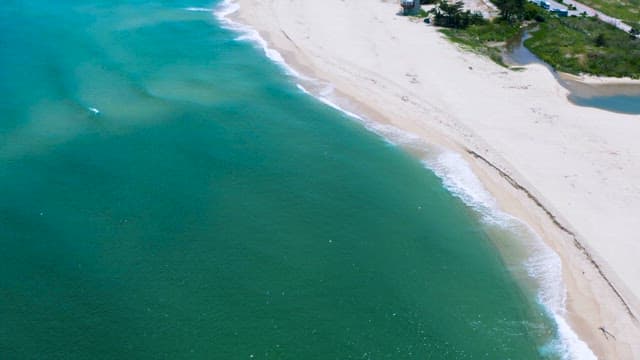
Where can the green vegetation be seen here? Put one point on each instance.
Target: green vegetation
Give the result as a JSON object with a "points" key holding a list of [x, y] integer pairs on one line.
{"points": [[452, 16], [625, 10], [488, 37], [471, 30], [485, 39], [511, 10], [570, 44], [576, 45], [421, 14]]}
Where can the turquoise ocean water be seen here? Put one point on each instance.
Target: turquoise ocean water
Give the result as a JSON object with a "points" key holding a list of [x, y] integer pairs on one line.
{"points": [[167, 192]]}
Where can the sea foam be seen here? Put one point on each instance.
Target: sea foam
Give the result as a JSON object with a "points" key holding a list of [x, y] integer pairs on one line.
{"points": [[199, 9], [247, 33], [543, 265]]}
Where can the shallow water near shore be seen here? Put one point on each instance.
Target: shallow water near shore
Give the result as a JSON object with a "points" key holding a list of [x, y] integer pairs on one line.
{"points": [[167, 193], [619, 98]]}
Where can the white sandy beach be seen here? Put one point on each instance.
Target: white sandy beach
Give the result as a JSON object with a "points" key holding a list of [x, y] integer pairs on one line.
{"points": [[570, 172]]}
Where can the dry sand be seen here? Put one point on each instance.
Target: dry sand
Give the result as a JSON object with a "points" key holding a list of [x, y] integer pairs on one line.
{"points": [[572, 173]]}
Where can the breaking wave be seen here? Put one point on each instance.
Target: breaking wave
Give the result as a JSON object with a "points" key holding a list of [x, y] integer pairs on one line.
{"points": [[542, 265]]}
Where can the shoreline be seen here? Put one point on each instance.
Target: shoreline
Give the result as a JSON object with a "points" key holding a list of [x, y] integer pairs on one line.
{"points": [[579, 86], [587, 86], [586, 311], [598, 80]]}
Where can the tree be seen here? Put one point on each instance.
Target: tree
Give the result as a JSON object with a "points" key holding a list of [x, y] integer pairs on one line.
{"points": [[511, 10], [534, 12], [451, 15]]}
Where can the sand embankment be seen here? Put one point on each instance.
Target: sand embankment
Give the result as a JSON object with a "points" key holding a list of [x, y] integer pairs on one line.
{"points": [[571, 172]]}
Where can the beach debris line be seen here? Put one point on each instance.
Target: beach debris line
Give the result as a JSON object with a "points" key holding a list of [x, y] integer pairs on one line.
{"points": [[557, 222], [606, 333]]}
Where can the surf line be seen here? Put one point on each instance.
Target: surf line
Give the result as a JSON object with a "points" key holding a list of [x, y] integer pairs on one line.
{"points": [[516, 185], [247, 33]]}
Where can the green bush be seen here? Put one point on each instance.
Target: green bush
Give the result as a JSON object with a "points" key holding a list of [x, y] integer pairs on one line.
{"points": [[511, 10], [534, 12], [452, 16]]}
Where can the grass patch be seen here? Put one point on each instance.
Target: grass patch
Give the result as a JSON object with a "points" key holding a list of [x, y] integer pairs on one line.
{"points": [[586, 45], [486, 39]]}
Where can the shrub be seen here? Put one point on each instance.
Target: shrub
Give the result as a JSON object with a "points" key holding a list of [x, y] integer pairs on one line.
{"points": [[600, 40], [511, 10], [452, 16], [533, 12]]}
